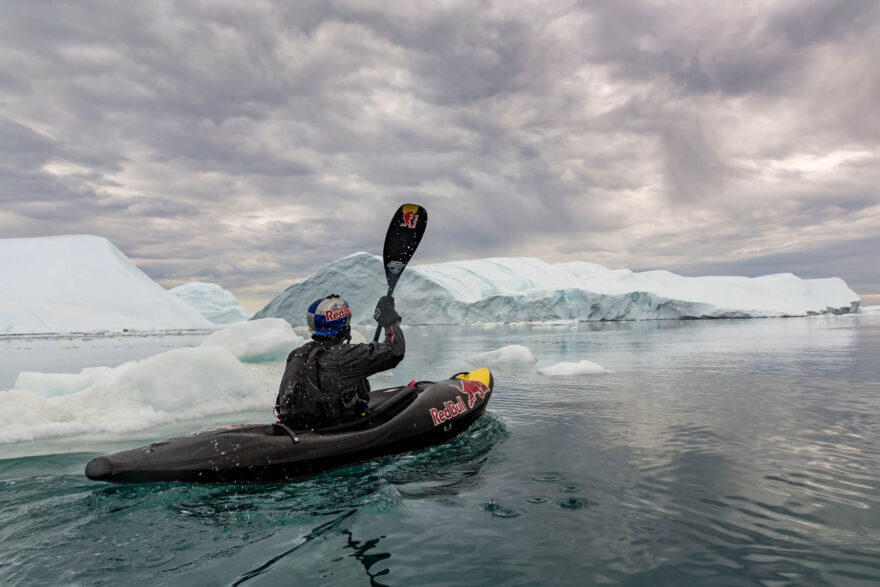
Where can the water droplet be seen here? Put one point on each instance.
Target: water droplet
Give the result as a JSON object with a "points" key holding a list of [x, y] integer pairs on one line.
{"points": [[576, 503]]}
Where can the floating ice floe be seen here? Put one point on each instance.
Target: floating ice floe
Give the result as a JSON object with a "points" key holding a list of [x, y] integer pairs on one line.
{"points": [[513, 354], [570, 369], [177, 385]]}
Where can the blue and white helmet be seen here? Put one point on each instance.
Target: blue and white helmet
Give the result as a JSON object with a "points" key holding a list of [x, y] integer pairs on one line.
{"points": [[328, 316]]}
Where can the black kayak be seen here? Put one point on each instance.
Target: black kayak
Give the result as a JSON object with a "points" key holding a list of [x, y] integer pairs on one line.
{"points": [[401, 419]]}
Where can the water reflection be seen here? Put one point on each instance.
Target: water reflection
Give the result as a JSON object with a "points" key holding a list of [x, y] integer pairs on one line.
{"points": [[239, 524]]}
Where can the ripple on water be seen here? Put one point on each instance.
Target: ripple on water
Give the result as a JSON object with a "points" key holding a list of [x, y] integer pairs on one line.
{"points": [[501, 511], [570, 488], [549, 477]]}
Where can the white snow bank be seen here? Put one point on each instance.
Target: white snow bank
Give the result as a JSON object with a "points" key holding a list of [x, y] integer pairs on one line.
{"points": [[269, 339], [54, 384], [526, 289], [570, 369], [178, 385], [513, 354], [82, 284], [871, 309], [212, 301]]}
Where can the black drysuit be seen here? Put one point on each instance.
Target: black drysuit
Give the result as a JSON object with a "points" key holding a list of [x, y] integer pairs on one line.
{"points": [[325, 382]]}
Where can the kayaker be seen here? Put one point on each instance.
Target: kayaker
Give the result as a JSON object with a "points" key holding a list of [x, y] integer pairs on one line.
{"points": [[325, 381]]}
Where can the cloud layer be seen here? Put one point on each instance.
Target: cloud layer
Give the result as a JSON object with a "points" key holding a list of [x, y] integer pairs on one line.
{"points": [[250, 143]]}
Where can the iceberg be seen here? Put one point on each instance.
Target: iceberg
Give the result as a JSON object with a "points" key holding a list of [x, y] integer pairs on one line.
{"points": [[212, 301], [528, 289], [82, 284]]}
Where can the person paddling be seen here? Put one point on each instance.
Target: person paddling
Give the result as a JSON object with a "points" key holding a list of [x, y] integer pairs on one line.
{"points": [[325, 381]]}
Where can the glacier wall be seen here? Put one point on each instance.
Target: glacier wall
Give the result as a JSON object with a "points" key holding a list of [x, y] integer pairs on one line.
{"points": [[527, 289]]}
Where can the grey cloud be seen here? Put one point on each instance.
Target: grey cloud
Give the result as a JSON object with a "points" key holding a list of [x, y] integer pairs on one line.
{"points": [[250, 144], [818, 21]]}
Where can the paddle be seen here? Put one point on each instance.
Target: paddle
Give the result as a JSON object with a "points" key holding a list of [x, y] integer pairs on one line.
{"points": [[401, 241]]}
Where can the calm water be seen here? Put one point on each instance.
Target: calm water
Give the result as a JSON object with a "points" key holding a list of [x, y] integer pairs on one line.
{"points": [[719, 452]]}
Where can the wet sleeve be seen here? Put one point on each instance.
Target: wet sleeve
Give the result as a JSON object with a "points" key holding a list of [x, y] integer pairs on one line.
{"points": [[370, 358]]}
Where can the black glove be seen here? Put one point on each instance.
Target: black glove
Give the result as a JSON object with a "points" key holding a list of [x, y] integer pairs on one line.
{"points": [[385, 313]]}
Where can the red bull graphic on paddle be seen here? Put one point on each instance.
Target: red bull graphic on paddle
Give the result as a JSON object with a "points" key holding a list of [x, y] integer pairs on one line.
{"points": [[451, 409], [410, 219]]}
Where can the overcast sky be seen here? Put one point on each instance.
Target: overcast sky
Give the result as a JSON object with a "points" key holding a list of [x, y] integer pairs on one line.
{"points": [[250, 143]]}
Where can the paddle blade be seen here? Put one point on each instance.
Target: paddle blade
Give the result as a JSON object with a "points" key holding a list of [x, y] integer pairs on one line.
{"points": [[403, 238]]}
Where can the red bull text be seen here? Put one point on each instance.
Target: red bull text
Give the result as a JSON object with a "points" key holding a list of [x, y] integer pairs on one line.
{"points": [[340, 313], [472, 389]]}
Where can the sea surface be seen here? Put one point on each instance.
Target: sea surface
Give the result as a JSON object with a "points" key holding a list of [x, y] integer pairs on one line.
{"points": [[724, 452]]}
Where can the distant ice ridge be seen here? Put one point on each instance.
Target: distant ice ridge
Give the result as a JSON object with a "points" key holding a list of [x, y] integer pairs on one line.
{"points": [[237, 369], [212, 301], [82, 284], [527, 289]]}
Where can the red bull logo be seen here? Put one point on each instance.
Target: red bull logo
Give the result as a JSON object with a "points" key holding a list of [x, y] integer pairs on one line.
{"points": [[340, 312], [410, 219], [451, 409], [473, 389]]}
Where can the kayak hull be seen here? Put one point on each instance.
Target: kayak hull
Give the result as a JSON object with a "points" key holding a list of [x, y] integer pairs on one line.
{"points": [[401, 419]]}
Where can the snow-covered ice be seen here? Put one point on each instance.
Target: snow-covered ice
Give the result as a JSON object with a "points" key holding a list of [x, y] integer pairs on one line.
{"points": [[53, 384], [82, 284], [570, 369], [212, 301], [526, 289], [237, 369], [268, 339], [177, 385], [513, 354]]}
